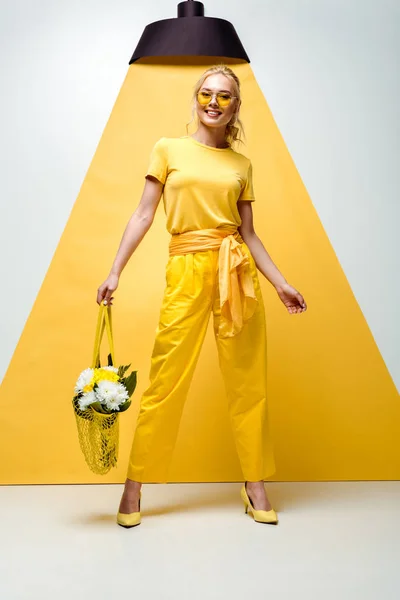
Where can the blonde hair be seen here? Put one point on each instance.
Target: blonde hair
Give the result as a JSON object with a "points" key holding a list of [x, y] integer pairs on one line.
{"points": [[234, 129]]}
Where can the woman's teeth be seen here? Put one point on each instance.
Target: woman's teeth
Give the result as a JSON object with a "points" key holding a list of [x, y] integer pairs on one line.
{"points": [[212, 113]]}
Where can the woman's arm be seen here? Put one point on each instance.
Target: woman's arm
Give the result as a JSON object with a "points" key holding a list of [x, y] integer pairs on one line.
{"points": [[291, 298], [137, 227], [261, 257]]}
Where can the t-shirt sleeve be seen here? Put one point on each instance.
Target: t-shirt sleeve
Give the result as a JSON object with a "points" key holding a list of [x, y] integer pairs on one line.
{"points": [[158, 162], [247, 192]]}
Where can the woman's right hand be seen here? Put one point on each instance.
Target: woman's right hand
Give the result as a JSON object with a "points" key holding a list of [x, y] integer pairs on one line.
{"points": [[107, 288]]}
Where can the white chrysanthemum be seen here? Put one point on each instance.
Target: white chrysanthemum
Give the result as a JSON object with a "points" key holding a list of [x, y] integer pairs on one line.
{"points": [[111, 393], [106, 389], [86, 399], [111, 368], [113, 404], [84, 379]]}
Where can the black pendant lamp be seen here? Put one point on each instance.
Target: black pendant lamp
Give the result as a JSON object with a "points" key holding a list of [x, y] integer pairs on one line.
{"points": [[190, 34]]}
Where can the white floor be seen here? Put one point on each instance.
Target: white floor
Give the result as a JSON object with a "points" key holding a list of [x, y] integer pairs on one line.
{"points": [[334, 540]]}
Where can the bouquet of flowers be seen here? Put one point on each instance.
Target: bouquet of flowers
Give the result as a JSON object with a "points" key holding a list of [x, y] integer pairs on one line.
{"points": [[105, 389], [100, 394]]}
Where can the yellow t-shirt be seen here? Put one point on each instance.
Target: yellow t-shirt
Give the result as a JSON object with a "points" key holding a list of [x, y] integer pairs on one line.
{"points": [[202, 184]]}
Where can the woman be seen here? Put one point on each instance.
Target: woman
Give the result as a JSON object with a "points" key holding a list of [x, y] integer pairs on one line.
{"points": [[212, 267]]}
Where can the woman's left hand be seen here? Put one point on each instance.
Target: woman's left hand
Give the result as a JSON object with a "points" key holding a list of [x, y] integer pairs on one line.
{"points": [[291, 298]]}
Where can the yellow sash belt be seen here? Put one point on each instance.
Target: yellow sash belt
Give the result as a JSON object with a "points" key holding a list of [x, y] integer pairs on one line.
{"points": [[236, 287]]}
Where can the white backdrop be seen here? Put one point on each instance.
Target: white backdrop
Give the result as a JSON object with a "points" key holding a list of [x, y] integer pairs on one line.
{"points": [[328, 70]]}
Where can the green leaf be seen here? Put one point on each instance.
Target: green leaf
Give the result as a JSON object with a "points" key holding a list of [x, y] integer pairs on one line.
{"points": [[130, 382], [122, 370], [99, 408], [125, 406]]}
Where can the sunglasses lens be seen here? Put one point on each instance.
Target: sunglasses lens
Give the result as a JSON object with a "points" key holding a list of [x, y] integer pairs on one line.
{"points": [[222, 98], [203, 98]]}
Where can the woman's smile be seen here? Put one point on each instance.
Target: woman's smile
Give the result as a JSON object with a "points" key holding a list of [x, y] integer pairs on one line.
{"points": [[213, 113]]}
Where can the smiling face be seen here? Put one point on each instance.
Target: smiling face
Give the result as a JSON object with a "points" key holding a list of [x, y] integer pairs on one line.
{"points": [[212, 114]]}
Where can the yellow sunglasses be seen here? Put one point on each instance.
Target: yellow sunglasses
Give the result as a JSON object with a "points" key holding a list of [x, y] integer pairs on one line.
{"points": [[223, 98]]}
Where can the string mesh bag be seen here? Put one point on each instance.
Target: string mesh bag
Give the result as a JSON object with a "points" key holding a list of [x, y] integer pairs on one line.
{"points": [[98, 430]]}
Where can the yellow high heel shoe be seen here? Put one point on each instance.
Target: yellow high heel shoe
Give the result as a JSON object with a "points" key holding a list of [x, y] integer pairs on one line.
{"points": [[129, 519], [261, 516]]}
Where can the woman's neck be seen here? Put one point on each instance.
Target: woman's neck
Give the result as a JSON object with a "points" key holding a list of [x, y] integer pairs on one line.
{"points": [[211, 136]]}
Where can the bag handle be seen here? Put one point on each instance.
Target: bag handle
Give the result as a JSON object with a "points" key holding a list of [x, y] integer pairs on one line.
{"points": [[103, 320]]}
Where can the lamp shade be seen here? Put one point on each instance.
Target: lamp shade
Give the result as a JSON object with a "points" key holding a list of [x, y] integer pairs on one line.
{"points": [[190, 34]]}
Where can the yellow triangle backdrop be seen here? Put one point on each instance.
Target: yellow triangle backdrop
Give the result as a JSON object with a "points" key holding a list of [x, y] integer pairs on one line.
{"points": [[334, 409]]}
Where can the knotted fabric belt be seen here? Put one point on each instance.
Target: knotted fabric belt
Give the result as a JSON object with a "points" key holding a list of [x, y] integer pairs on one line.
{"points": [[236, 287]]}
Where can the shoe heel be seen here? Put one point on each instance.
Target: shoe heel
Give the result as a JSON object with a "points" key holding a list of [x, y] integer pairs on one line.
{"points": [[245, 499]]}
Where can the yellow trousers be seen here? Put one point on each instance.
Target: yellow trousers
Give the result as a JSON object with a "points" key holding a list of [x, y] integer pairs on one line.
{"points": [[191, 294]]}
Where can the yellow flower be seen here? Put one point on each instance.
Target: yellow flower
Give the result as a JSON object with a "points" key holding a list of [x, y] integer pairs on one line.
{"points": [[88, 387], [104, 374]]}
